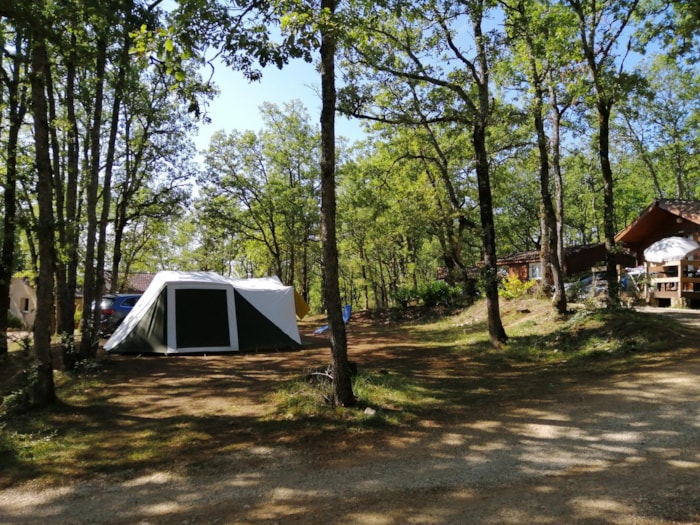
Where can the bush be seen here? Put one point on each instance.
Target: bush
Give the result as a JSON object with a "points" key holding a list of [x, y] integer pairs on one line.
{"points": [[14, 322], [16, 392], [513, 288], [439, 293], [405, 295]]}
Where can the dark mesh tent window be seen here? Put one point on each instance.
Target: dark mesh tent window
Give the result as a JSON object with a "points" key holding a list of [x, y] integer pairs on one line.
{"points": [[201, 318]]}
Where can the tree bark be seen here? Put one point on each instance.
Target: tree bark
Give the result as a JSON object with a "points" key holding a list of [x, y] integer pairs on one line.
{"points": [[342, 380], [497, 333], [607, 85], [549, 219], [118, 94], [555, 141], [68, 231], [44, 390], [609, 204], [91, 318], [17, 108]]}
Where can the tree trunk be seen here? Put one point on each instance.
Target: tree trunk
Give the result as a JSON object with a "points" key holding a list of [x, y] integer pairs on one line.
{"points": [[67, 265], [607, 84], [497, 333], [17, 108], [44, 391], [556, 169], [609, 204], [304, 271], [547, 279], [91, 318], [552, 275], [549, 219], [342, 381], [58, 198], [107, 183]]}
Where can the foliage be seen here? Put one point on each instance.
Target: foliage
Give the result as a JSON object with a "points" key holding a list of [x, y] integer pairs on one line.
{"points": [[436, 293], [659, 124], [14, 322], [20, 381], [439, 293], [513, 288], [408, 197], [406, 295], [260, 194]]}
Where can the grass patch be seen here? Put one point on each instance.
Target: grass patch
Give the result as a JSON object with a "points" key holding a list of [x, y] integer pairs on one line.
{"points": [[451, 363], [383, 398]]}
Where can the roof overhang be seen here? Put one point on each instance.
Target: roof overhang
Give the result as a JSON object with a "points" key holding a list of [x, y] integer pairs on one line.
{"points": [[658, 219]]}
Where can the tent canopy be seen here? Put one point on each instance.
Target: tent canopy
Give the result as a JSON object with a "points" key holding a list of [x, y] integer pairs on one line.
{"points": [[203, 312], [670, 249]]}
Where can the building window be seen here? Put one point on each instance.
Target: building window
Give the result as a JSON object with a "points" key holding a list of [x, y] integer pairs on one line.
{"points": [[535, 271], [25, 304]]}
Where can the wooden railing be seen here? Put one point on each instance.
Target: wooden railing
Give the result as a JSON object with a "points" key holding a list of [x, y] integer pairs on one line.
{"points": [[678, 281]]}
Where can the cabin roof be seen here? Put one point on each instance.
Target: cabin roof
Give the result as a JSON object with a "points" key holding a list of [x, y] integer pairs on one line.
{"points": [[534, 255], [659, 218]]}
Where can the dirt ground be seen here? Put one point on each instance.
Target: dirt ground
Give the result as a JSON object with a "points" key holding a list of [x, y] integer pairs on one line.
{"points": [[619, 449]]}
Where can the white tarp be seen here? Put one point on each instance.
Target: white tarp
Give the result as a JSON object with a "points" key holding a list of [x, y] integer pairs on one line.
{"points": [[670, 249]]}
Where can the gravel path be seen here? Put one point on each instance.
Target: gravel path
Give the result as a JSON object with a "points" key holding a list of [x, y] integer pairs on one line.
{"points": [[623, 450]]}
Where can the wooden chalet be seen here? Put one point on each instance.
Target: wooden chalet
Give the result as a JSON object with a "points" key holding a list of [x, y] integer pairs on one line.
{"points": [[672, 283], [662, 218], [577, 260]]}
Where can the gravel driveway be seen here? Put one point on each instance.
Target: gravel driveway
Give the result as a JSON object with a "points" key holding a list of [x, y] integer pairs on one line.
{"points": [[623, 450]]}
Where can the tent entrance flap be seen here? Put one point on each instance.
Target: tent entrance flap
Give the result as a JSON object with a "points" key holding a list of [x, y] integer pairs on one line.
{"points": [[201, 318]]}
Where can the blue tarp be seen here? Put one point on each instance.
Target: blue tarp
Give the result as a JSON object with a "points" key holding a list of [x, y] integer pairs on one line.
{"points": [[347, 310]]}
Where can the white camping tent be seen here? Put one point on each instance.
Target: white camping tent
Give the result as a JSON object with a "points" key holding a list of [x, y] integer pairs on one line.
{"points": [[203, 312], [670, 249]]}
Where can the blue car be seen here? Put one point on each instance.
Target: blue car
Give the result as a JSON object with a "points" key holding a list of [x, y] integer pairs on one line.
{"points": [[114, 309]]}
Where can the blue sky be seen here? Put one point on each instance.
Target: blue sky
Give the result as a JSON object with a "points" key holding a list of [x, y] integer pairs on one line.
{"points": [[236, 107]]}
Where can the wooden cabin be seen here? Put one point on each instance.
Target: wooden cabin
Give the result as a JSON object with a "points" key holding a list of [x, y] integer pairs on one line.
{"points": [[671, 283], [577, 260]]}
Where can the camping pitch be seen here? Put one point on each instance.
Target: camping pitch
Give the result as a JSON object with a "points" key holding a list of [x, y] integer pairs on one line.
{"points": [[203, 312]]}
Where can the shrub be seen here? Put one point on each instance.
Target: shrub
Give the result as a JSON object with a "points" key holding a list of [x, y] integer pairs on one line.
{"points": [[405, 295], [513, 288], [16, 397], [439, 293], [14, 322]]}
